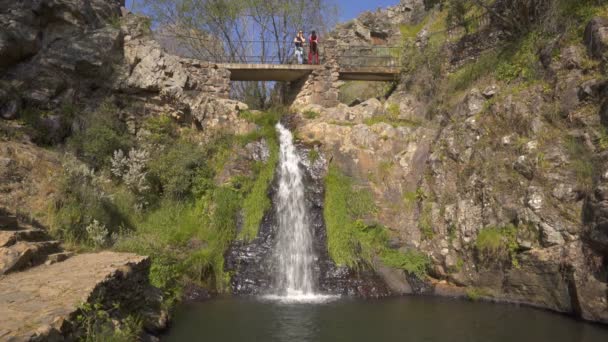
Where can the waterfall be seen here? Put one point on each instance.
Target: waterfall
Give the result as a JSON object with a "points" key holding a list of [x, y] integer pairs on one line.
{"points": [[294, 254]]}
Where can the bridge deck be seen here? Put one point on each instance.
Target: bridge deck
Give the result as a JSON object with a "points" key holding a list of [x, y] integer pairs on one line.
{"points": [[294, 72]]}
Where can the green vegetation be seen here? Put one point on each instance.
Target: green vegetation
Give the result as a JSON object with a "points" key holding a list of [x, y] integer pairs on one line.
{"points": [[102, 134], [166, 205], [97, 325], [353, 243], [519, 60], [411, 261], [257, 202], [469, 73], [497, 243], [313, 155], [392, 117], [425, 222], [581, 162], [311, 114], [475, 293], [352, 90]]}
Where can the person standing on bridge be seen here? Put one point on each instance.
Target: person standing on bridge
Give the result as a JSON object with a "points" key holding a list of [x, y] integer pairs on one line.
{"points": [[313, 48], [299, 41]]}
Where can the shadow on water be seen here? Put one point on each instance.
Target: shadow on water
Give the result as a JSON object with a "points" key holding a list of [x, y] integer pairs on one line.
{"points": [[392, 319]]}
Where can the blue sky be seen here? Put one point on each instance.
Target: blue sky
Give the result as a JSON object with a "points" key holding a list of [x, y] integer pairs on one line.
{"points": [[348, 9]]}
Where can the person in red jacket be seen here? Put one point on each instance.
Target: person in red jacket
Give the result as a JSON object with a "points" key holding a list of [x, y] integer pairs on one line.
{"points": [[313, 48]]}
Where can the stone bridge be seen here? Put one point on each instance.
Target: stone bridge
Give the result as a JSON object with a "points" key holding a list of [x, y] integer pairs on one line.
{"points": [[318, 84]]}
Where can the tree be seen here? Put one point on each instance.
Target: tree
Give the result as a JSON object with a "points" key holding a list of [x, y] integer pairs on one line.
{"points": [[240, 31]]}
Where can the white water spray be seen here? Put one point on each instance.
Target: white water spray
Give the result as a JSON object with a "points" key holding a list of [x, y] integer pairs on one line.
{"points": [[294, 251]]}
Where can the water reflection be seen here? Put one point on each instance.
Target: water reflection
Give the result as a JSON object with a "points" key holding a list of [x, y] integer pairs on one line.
{"points": [[394, 319], [296, 322]]}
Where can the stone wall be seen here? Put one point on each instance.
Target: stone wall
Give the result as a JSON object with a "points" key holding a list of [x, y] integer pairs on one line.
{"points": [[321, 86]]}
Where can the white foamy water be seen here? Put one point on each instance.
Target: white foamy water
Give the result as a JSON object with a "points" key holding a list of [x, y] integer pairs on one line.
{"points": [[293, 252]]}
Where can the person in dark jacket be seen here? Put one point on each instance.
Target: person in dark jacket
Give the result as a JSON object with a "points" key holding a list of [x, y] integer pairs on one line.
{"points": [[313, 48]]}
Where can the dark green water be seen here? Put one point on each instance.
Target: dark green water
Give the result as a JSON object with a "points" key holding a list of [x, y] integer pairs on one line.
{"points": [[396, 319]]}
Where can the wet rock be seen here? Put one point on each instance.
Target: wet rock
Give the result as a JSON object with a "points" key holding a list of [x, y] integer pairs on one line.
{"points": [[596, 37], [258, 150]]}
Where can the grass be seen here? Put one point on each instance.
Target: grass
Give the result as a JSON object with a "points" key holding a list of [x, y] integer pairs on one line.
{"points": [[352, 242], [475, 293], [471, 72], [581, 162], [411, 261], [497, 243], [425, 222], [256, 203]]}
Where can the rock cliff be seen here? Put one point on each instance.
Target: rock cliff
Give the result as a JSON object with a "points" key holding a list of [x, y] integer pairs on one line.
{"points": [[501, 183]]}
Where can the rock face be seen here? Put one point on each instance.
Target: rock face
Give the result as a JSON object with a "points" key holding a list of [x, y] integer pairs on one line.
{"points": [[596, 38], [42, 303], [487, 161], [55, 54]]}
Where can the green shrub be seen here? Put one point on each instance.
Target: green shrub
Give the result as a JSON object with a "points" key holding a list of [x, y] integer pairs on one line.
{"points": [[162, 129], [174, 171], [102, 134], [79, 205]]}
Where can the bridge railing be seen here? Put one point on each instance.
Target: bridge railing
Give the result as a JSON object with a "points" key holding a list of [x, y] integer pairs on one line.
{"points": [[367, 56], [271, 52]]}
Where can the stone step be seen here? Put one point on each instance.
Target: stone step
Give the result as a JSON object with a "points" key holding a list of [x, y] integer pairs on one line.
{"points": [[57, 257], [23, 254], [8, 223], [10, 237]]}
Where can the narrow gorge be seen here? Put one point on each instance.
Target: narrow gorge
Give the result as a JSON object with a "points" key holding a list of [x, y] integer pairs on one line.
{"points": [[170, 170]]}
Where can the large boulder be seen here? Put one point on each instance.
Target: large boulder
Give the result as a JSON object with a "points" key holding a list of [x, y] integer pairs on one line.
{"points": [[596, 37]]}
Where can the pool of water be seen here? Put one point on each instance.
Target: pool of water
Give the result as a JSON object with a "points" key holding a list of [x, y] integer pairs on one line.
{"points": [[393, 319]]}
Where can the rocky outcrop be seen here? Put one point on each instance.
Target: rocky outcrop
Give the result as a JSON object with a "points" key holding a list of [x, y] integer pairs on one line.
{"points": [[596, 38], [494, 159], [43, 303], [81, 54]]}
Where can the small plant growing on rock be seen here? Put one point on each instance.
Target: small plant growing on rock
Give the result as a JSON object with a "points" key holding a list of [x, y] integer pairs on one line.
{"points": [[498, 243]]}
